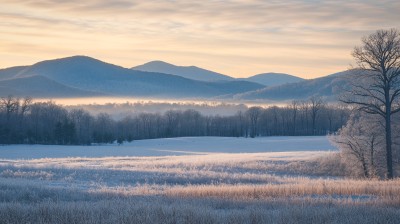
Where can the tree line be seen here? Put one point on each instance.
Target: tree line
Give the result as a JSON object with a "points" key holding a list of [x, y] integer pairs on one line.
{"points": [[24, 122]]}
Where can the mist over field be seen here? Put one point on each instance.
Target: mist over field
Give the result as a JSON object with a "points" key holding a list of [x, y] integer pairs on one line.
{"points": [[119, 108]]}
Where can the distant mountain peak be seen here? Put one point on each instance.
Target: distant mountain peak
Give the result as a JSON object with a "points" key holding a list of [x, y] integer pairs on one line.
{"points": [[274, 79], [79, 57], [190, 72], [158, 62], [74, 59]]}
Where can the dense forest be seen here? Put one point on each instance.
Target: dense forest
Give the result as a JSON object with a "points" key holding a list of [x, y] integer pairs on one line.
{"points": [[23, 121]]}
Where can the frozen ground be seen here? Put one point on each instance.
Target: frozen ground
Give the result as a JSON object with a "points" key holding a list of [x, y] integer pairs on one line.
{"points": [[189, 160], [190, 180], [171, 146]]}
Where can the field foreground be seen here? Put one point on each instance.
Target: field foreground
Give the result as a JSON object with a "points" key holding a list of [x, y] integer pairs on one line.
{"points": [[190, 180]]}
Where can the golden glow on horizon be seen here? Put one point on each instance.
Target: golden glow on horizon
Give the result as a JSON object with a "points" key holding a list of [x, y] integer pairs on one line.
{"points": [[234, 37]]}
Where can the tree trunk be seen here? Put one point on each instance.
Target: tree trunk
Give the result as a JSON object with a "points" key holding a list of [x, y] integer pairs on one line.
{"points": [[373, 171], [388, 130], [365, 168], [389, 158]]}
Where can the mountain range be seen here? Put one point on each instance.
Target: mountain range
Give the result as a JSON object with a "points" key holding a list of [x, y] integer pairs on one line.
{"points": [[196, 73], [82, 76], [85, 76]]}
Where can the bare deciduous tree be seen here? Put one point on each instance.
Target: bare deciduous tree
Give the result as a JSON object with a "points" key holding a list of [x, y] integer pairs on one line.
{"points": [[316, 104], [294, 107], [360, 143], [9, 105], [376, 83], [254, 115]]}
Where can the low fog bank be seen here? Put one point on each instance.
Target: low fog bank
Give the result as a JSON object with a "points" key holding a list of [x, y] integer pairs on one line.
{"points": [[120, 108], [119, 111]]}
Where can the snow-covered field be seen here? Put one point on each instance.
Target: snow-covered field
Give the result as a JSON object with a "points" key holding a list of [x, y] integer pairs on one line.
{"points": [[172, 146], [189, 180], [200, 160]]}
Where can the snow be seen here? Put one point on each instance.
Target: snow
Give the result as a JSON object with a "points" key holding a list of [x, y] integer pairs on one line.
{"points": [[171, 147]]}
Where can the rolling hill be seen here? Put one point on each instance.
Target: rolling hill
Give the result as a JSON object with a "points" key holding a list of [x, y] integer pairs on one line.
{"points": [[273, 79], [328, 87], [189, 72], [9, 73], [40, 86]]}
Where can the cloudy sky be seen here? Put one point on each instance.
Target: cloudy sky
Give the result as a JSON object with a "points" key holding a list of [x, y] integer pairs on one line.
{"points": [[307, 38]]}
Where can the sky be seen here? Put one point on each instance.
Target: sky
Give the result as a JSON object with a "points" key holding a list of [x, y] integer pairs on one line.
{"points": [[240, 38]]}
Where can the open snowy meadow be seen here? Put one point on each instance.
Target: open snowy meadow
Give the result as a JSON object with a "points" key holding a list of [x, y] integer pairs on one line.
{"points": [[190, 180]]}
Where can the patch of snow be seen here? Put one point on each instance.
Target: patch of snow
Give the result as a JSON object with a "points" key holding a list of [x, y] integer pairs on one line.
{"points": [[172, 147]]}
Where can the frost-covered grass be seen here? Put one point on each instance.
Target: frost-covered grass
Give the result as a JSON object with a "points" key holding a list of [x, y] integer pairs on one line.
{"points": [[25, 202], [197, 186]]}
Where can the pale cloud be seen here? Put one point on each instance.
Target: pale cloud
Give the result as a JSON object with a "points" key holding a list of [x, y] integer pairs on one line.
{"points": [[236, 37]]}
